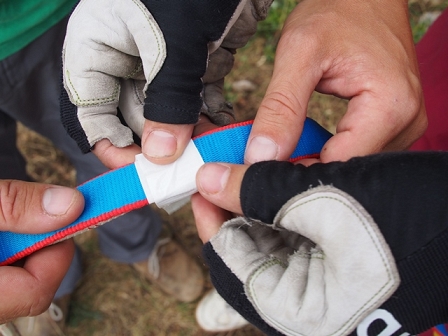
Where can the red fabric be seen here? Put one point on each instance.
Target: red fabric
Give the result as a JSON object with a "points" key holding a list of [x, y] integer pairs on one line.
{"points": [[432, 55], [440, 330]]}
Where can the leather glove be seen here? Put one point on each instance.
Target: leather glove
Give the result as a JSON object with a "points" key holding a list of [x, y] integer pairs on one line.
{"points": [[159, 47], [221, 61], [321, 249], [219, 65]]}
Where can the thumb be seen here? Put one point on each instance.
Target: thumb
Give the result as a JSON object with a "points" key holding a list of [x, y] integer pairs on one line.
{"points": [[208, 217], [220, 184], [36, 208], [165, 143]]}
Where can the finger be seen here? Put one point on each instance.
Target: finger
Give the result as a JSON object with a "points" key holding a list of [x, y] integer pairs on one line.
{"points": [[307, 162], [208, 217], [35, 208], [28, 291], [280, 118], [220, 184], [165, 143], [413, 132], [203, 125], [113, 157], [371, 125]]}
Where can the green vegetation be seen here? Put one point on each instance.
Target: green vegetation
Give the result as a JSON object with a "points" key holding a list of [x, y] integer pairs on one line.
{"points": [[422, 13], [270, 28]]}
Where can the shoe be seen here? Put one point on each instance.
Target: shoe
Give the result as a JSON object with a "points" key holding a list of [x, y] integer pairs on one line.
{"points": [[49, 323], [8, 329], [214, 314], [173, 270]]}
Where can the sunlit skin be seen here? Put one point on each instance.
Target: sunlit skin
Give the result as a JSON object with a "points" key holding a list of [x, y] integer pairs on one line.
{"points": [[359, 50], [362, 51]]}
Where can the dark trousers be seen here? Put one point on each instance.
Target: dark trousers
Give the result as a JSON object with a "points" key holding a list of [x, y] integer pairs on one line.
{"points": [[29, 92]]}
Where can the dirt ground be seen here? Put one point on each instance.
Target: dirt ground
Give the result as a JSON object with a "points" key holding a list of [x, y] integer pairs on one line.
{"points": [[112, 299]]}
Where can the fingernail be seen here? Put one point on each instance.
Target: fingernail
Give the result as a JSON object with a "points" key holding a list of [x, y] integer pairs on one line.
{"points": [[213, 177], [261, 149], [57, 200], [160, 144]]}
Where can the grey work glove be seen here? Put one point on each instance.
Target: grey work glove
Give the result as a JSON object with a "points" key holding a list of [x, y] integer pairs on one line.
{"points": [[221, 61], [344, 248], [159, 47], [300, 273]]}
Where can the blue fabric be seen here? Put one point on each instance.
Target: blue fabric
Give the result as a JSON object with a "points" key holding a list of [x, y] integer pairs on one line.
{"points": [[119, 191], [229, 144], [103, 195]]}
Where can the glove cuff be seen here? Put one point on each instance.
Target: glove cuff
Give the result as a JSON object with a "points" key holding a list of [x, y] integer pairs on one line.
{"points": [[71, 122], [158, 109]]}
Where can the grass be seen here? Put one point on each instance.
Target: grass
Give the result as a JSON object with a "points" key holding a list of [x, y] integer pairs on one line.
{"points": [[270, 28], [416, 10], [112, 299]]}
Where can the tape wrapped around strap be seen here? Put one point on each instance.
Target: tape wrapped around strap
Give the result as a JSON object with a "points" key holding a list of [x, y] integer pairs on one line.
{"points": [[120, 191]]}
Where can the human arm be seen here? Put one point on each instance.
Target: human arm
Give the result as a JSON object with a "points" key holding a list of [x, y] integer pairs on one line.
{"points": [[359, 50], [27, 287], [398, 199]]}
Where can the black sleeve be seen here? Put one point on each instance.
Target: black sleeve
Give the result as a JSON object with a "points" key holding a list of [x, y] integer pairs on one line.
{"points": [[174, 96]]}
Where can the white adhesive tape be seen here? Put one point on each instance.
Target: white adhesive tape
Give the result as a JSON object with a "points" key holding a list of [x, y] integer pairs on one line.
{"points": [[170, 186]]}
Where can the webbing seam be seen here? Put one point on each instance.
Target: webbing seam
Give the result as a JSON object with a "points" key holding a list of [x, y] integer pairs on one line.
{"points": [[72, 230]]}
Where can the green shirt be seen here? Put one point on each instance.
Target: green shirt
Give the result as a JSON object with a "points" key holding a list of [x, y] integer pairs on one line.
{"points": [[22, 21]]}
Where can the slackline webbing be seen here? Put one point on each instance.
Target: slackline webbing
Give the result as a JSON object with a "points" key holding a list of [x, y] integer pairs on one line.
{"points": [[119, 191]]}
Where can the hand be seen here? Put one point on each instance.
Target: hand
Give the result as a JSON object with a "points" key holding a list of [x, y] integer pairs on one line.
{"points": [[161, 63], [28, 287], [321, 222], [300, 258], [358, 50]]}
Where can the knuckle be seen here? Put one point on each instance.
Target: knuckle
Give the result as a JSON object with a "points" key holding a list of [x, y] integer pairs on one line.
{"points": [[40, 304], [416, 105], [306, 44], [409, 98], [281, 104], [415, 99], [11, 311], [33, 306], [308, 33], [12, 200]]}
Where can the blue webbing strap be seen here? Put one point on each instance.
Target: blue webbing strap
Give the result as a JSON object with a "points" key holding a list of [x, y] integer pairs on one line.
{"points": [[119, 191]]}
